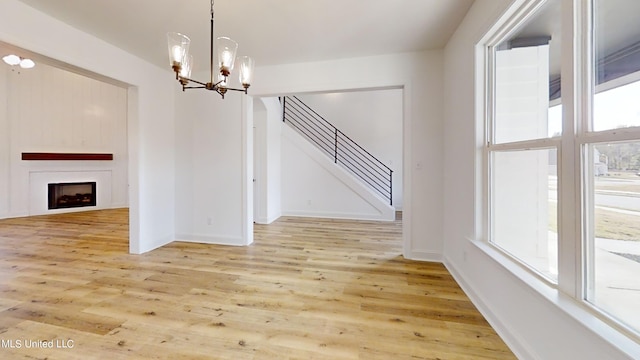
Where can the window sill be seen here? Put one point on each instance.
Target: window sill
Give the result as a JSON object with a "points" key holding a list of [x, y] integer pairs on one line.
{"points": [[582, 312]]}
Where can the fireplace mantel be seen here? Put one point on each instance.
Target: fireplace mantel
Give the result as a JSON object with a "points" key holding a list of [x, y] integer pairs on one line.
{"points": [[65, 156]]}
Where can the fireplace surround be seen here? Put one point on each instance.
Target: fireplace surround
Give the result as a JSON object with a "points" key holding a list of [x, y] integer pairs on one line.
{"points": [[38, 197]]}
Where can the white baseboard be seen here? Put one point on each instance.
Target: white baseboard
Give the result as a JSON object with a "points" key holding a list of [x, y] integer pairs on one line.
{"points": [[155, 245], [419, 255], [14, 215], [335, 215], [213, 240], [267, 220], [118, 205]]}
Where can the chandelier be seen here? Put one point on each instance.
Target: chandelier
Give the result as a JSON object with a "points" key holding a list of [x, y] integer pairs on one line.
{"points": [[181, 62]]}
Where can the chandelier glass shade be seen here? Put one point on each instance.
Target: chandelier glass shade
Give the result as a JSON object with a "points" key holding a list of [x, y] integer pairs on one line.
{"points": [[226, 49], [178, 48]]}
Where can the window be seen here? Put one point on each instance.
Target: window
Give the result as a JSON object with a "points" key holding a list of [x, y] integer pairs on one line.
{"points": [[568, 179], [523, 160], [611, 165], [524, 210]]}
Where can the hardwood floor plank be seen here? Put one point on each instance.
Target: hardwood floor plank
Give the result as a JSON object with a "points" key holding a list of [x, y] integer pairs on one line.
{"points": [[64, 316], [306, 289]]}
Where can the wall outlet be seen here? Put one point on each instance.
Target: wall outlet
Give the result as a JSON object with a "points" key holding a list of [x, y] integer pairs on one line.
{"points": [[209, 221]]}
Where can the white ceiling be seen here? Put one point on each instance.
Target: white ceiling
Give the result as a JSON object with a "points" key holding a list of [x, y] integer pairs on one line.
{"points": [[271, 31]]}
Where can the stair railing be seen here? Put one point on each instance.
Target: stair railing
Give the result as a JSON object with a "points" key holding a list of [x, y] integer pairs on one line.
{"points": [[338, 146]]}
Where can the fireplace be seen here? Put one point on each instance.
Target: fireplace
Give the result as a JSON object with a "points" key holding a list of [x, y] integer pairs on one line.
{"points": [[71, 195]]}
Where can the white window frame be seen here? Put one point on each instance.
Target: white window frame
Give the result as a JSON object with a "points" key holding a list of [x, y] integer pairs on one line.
{"points": [[574, 199], [522, 14]]}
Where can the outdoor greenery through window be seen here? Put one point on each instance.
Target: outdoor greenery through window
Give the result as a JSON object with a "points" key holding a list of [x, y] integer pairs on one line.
{"points": [[526, 180]]}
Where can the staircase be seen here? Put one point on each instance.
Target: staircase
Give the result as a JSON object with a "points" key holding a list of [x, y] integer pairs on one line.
{"points": [[338, 147]]}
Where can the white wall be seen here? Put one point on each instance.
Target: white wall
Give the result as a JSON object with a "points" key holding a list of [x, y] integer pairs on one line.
{"points": [[538, 322], [211, 168], [420, 77], [150, 116], [267, 159], [315, 187], [53, 110], [5, 146], [373, 119]]}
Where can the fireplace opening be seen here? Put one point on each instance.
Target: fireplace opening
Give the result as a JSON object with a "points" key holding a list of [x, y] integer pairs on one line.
{"points": [[71, 195]]}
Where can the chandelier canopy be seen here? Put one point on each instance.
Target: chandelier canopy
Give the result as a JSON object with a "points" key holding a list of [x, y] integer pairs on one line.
{"points": [[181, 62]]}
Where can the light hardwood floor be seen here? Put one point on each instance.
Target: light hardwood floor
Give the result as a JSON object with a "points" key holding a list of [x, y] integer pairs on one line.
{"points": [[306, 289]]}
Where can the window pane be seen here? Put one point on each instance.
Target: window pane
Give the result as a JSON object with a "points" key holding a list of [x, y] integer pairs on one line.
{"points": [[527, 73], [613, 247], [617, 108], [524, 207], [555, 121], [617, 67]]}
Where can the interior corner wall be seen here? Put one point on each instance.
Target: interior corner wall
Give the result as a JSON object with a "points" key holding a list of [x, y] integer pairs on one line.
{"points": [[420, 75], [531, 321], [210, 159], [150, 121]]}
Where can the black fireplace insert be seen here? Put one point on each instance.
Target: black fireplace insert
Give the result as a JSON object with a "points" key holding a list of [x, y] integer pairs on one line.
{"points": [[71, 195]]}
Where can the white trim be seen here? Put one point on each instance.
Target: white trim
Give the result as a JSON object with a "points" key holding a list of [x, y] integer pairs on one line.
{"points": [[334, 215], [613, 135], [267, 220], [133, 171], [481, 113], [407, 171], [158, 243], [213, 240], [569, 247], [246, 174], [535, 144], [424, 255], [585, 282], [519, 12]]}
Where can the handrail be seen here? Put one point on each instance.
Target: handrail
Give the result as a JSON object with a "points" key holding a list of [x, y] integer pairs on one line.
{"points": [[337, 145]]}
